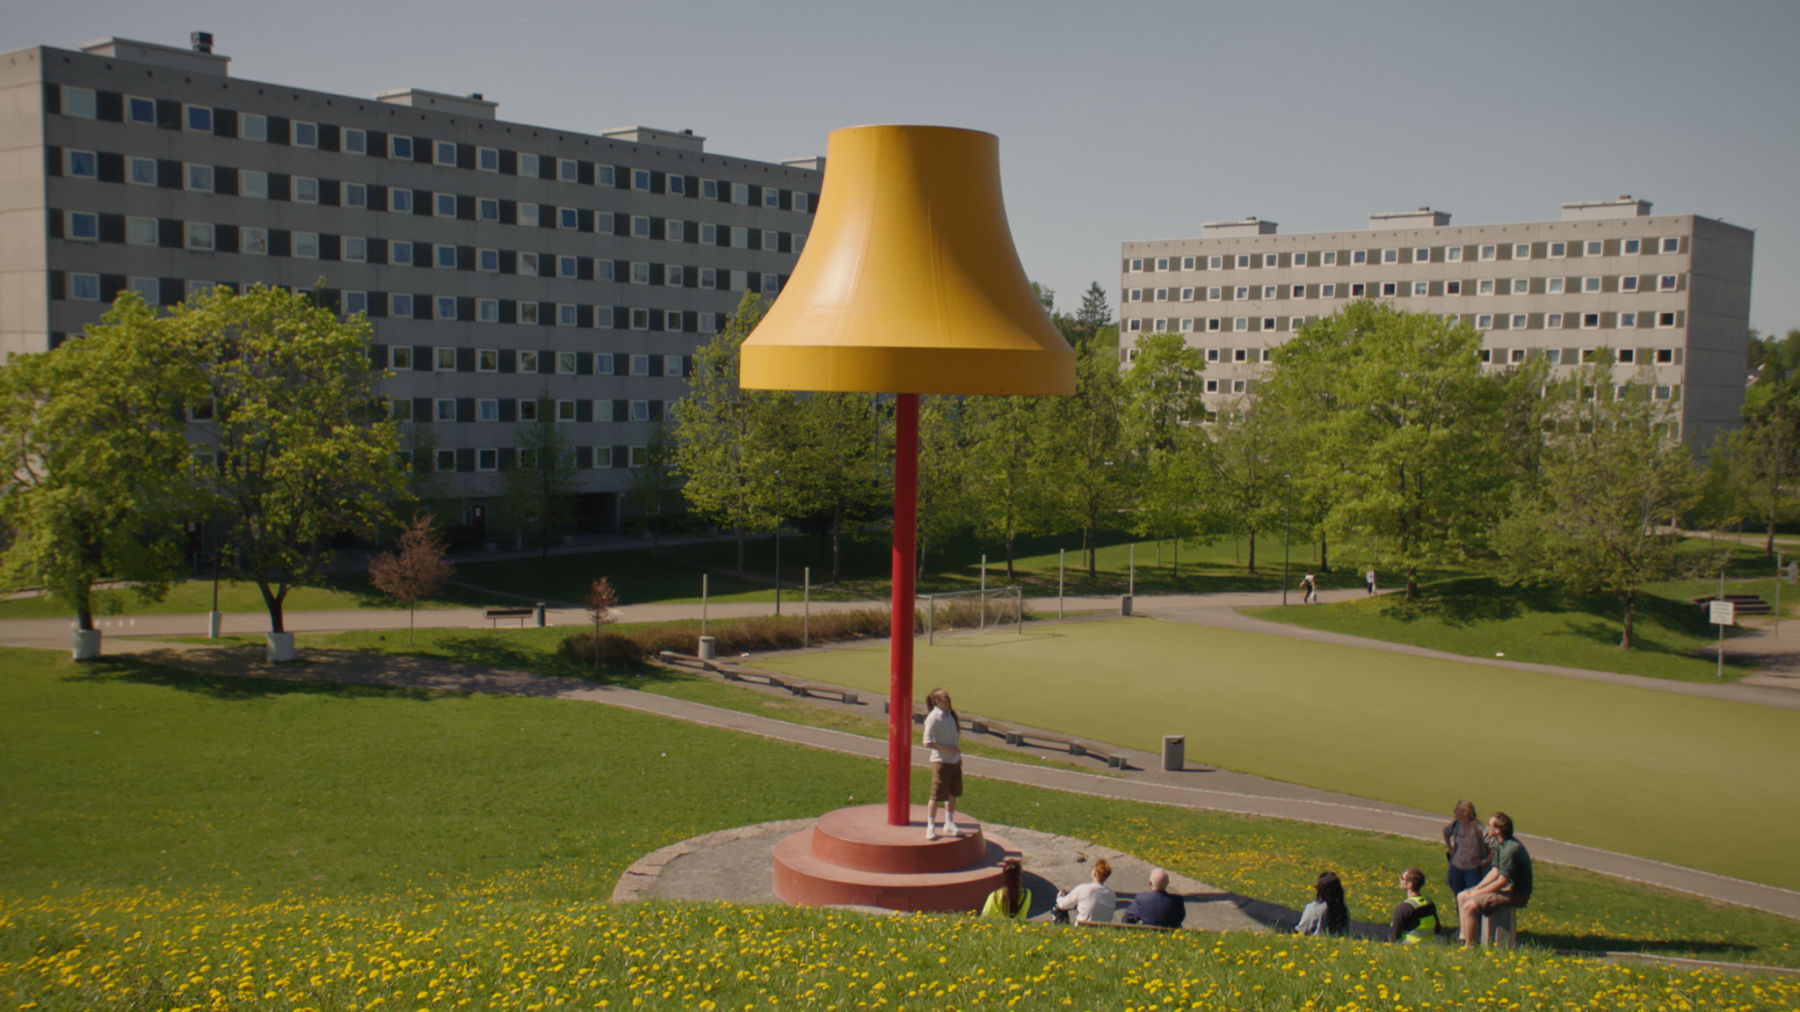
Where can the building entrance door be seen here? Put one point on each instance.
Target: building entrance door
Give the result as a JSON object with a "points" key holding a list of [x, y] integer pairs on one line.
{"points": [[478, 520]]}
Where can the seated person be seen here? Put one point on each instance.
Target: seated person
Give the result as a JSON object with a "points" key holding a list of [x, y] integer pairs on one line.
{"points": [[1328, 913], [1011, 901], [1415, 919], [1154, 906], [1091, 901]]}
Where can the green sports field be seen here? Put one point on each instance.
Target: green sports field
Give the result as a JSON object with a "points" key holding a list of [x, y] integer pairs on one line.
{"points": [[1693, 781]]}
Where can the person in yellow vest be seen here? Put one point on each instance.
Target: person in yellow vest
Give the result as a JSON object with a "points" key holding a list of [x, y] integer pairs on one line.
{"points": [[1012, 901], [1415, 919]]}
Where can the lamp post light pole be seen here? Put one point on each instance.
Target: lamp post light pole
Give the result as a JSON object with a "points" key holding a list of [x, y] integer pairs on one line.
{"points": [[1287, 529]]}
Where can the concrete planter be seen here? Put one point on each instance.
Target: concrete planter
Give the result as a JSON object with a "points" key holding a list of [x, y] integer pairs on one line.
{"points": [[280, 647], [87, 644]]}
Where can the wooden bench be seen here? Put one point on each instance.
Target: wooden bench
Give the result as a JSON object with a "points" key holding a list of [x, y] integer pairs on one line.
{"points": [[822, 692], [748, 675], [494, 615], [1027, 739]]}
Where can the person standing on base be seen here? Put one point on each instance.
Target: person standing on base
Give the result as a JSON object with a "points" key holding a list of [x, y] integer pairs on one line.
{"points": [[1508, 882], [946, 764]]}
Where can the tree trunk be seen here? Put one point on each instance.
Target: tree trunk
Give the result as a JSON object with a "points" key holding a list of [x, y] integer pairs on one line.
{"points": [[1009, 555], [273, 603], [1630, 600], [1769, 546], [1252, 540], [740, 550], [84, 616], [1177, 572], [411, 610], [1091, 539], [1412, 583], [1324, 557], [837, 544]]}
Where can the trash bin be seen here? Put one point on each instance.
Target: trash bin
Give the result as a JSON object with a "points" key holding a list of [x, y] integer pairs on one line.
{"points": [[540, 614], [709, 648], [1174, 751], [1125, 604]]}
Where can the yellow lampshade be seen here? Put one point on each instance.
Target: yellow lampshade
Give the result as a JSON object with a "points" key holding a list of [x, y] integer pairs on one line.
{"points": [[909, 282]]}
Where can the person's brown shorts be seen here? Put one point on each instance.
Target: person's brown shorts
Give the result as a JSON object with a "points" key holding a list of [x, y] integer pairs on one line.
{"points": [[946, 781], [1494, 901]]}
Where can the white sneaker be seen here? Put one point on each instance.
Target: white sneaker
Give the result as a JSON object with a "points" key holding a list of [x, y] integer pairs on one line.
{"points": [[951, 831], [930, 831]]}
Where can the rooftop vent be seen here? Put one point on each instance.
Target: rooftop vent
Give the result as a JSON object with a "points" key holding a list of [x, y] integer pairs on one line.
{"points": [[1251, 225], [437, 101], [197, 59], [1589, 210], [201, 41], [1424, 217]]}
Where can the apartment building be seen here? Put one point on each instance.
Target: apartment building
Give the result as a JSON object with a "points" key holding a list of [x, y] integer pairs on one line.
{"points": [[498, 262], [1671, 292]]}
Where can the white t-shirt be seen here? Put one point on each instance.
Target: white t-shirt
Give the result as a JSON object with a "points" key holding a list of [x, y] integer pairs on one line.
{"points": [[940, 730], [1091, 901]]}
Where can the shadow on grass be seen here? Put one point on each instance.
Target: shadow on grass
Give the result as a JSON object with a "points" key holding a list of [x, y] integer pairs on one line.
{"points": [[1692, 948], [233, 687]]}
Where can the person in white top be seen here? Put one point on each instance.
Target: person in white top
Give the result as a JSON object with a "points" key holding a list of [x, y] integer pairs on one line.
{"points": [[1091, 901], [946, 764]]}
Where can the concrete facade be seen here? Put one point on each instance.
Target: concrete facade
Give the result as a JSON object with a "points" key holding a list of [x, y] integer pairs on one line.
{"points": [[1671, 292], [497, 261]]}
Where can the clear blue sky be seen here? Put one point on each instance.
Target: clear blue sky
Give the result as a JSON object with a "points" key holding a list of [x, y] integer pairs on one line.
{"points": [[1119, 120]]}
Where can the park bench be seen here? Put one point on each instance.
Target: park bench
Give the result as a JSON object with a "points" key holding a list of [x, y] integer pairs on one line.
{"points": [[822, 692], [1746, 604], [494, 615], [1029, 739], [752, 675]]}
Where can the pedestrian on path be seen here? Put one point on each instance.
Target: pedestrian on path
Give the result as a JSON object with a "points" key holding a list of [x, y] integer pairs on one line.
{"points": [[1415, 919], [1012, 901], [1369, 579], [1310, 585], [946, 764]]}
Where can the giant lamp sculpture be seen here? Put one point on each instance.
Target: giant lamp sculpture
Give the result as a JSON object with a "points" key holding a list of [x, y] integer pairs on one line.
{"points": [[909, 285]]}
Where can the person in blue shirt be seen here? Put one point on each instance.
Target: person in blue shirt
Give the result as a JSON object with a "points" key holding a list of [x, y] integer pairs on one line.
{"points": [[1154, 906]]}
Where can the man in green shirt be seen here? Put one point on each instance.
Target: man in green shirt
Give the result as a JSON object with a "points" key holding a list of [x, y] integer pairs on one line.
{"points": [[1508, 882]]}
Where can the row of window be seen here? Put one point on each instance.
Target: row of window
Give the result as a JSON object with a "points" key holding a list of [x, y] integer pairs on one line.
{"points": [[1671, 392], [207, 237], [471, 410], [1588, 285], [335, 193], [1481, 321], [506, 458], [91, 104], [427, 358], [1412, 255], [85, 287]]}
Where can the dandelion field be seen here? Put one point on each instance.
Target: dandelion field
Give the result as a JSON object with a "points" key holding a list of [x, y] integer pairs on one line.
{"points": [[175, 840]]}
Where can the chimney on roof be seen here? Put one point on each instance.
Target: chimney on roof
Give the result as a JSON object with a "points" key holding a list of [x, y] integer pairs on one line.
{"points": [[202, 41]]}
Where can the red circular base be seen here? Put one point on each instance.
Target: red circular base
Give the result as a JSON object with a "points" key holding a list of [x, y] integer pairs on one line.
{"points": [[853, 857]]}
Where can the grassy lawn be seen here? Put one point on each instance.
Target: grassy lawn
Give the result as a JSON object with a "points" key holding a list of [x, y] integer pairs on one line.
{"points": [[177, 840], [1483, 618], [1586, 762]]}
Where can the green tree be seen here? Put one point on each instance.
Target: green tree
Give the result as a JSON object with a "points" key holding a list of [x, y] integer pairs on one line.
{"points": [[97, 459], [715, 431], [1762, 458], [1007, 470], [654, 479], [833, 457], [1091, 471], [943, 474], [1164, 408], [1602, 519], [1243, 471], [538, 490], [1093, 315], [1411, 434], [305, 452]]}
